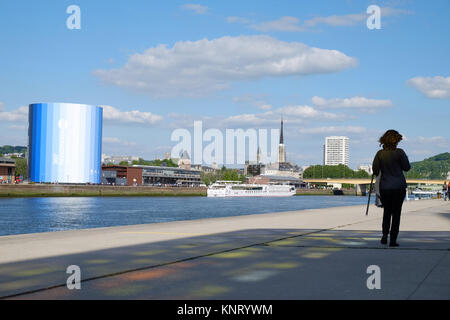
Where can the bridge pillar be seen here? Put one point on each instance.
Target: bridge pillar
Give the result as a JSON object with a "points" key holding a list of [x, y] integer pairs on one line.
{"points": [[361, 189]]}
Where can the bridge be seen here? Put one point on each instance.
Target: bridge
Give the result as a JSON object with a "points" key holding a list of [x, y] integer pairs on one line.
{"points": [[367, 181], [361, 184]]}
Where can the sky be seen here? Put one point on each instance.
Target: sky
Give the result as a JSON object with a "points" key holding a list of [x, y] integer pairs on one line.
{"points": [[158, 66]]}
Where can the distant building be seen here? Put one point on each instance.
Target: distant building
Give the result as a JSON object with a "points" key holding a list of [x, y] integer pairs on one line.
{"points": [[367, 168], [280, 168], [16, 154], [122, 175], [204, 169], [336, 151], [283, 169], [118, 159], [7, 170], [153, 175], [185, 161], [254, 169]]}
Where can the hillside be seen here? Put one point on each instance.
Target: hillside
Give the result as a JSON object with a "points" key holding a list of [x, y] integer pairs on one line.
{"points": [[436, 167], [12, 149]]}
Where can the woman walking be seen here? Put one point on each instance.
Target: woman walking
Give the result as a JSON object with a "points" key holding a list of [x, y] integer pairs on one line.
{"points": [[391, 162]]}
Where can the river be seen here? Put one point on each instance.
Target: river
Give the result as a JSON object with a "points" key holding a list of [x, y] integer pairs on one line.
{"points": [[32, 215]]}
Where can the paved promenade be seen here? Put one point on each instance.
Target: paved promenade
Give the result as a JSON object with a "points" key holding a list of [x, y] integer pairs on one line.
{"points": [[309, 254]]}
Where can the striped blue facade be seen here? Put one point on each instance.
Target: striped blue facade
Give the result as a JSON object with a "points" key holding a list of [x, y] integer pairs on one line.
{"points": [[64, 143]]}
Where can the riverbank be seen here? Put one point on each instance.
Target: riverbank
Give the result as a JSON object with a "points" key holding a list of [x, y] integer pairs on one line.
{"points": [[50, 190], [44, 190]]}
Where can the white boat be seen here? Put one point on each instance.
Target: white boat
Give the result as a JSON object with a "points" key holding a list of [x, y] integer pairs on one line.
{"points": [[234, 189], [419, 193]]}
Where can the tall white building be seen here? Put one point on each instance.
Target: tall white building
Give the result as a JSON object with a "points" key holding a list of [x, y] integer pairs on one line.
{"points": [[336, 151]]}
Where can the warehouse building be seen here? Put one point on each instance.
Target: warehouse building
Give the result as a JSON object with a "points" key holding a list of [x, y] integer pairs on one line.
{"points": [[7, 170], [153, 175], [122, 175]]}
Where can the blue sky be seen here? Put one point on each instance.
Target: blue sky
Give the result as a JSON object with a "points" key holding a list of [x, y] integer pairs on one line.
{"points": [[159, 66]]}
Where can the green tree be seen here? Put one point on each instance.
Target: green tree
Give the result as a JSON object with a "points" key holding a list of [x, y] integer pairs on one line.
{"points": [[222, 174], [436, 167], [123, 163], [21, 167], [336, 172]]}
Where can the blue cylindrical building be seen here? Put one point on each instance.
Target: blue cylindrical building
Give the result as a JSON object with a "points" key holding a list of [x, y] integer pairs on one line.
{"points": [[64, 143]]}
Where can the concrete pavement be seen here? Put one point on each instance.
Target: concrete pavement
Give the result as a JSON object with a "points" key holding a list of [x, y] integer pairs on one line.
{"points": [[310, 254]]}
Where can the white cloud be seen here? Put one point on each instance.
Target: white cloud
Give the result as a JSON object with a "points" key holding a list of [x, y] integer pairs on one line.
{"points": [[333, 129], [193, 68], [336, 20], [351, 19], [291, 114], [249, 119], [235, 19], [256, 101], [117, 141], [354, 102], [197, 8], [18, 127], [17, 115], [293, 24], [307, 112], [130, 117], [434, 141], [433, 87], [290, 24]]}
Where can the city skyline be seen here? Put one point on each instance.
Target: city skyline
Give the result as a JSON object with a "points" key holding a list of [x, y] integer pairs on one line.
{"points": [[357, 83]]}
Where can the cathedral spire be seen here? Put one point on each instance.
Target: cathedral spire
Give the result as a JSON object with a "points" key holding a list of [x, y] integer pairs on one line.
{"points": [[281, 134], [281, 148]]}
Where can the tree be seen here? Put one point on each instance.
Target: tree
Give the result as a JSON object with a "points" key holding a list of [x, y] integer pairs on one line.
{"points": [[123, 163], [436, 167], [222, 174], [21, 167], [336, 172]]}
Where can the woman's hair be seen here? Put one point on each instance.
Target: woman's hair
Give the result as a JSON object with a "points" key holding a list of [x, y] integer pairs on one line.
{"points": [[390, 139]]}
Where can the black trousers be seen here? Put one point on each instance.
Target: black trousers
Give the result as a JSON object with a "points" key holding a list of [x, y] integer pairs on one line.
{"points": [[392, 203]]}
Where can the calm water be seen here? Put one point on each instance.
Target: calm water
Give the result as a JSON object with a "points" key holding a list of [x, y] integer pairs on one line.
{"points": [[31, 215]]}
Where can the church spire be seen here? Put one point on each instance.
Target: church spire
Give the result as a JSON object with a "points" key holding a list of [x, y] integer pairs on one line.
{"points": [[281, 134], [281, 147]]}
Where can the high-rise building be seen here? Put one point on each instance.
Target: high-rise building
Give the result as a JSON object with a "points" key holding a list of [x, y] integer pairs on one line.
{"points": [[336, 151]]}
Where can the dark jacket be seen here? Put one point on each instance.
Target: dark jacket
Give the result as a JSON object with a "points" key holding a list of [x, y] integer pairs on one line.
{"points": [[391, 163]]}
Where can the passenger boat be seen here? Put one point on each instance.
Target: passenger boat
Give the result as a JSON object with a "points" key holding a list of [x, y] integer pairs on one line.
{"points": [[234, 189], [419, 194]]}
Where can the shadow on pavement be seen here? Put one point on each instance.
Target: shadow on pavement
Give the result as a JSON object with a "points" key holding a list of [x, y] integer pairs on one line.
{"points": [[247, 264]]}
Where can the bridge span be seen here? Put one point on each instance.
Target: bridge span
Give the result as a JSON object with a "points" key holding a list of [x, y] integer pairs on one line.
{"points": [[367, 181]]}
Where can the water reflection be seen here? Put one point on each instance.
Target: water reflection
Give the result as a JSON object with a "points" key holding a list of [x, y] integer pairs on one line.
{"points": [[31, 215]]}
